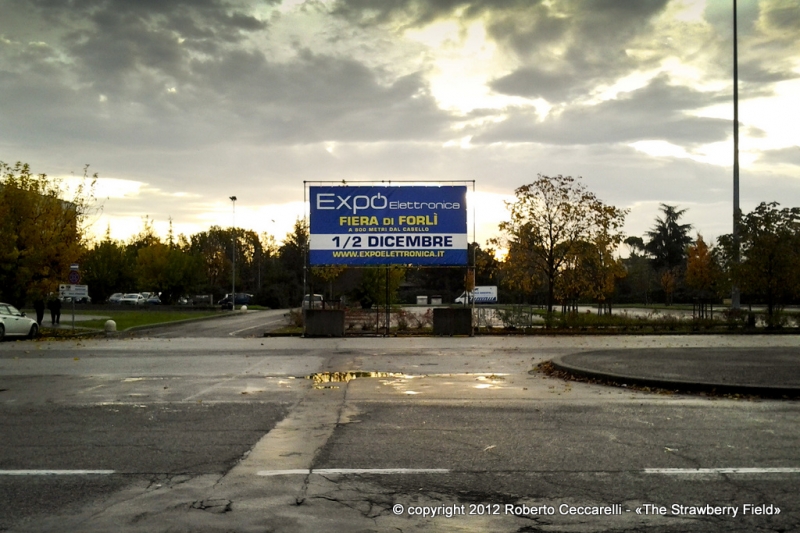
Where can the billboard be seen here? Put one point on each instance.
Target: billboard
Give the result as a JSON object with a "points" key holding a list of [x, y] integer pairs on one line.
{"points": [[379, 225]]}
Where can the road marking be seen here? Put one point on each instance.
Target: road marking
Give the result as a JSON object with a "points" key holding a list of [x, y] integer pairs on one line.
{"points": [[270, 321], [405, 471], [56, 472], [232, 333], [700, 471], [248, 370], [334, 471]]}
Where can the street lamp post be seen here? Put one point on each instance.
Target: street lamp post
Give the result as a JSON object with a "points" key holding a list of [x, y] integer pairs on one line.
{"points": [[735, 303], [233, 276]]}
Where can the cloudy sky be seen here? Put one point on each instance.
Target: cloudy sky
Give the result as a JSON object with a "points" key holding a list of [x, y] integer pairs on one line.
{"points": [[179, 104]]}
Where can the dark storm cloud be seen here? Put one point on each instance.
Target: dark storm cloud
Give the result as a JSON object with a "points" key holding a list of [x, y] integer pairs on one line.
{"points": [[783, 16], [653, 112], [553, 86], [755, 72], [767, 43], [788, 156], [319, 97], [214, 13], [571, 49], [416, 13], [582, 28], [566, 47], [139, 74], [115, 36]]}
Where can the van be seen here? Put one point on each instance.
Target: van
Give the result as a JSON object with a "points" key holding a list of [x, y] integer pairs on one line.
{"points": [[481, 295]]}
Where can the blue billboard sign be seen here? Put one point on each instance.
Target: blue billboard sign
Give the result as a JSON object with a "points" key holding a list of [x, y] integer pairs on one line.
{"points": [[379, 225]]}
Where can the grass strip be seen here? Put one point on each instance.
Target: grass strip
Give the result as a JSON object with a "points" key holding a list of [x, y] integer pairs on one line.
{"points": [[130, 319]]}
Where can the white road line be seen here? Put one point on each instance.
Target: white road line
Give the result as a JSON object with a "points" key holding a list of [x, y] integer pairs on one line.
{"points": [[249, 369], [402, 471], [334, 471], [300, 472], [232, 333], [56, 472], [700, 471]]}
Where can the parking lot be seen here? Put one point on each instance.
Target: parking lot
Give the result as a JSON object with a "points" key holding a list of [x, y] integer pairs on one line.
{"points": [[288, 434]]}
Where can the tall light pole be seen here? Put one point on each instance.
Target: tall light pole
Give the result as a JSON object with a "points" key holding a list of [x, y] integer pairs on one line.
{"points": [[735, 303], [233, 289]]}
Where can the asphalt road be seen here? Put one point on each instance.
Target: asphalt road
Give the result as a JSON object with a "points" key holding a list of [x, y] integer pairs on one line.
{"points": [[228, 435], [238, 324]]}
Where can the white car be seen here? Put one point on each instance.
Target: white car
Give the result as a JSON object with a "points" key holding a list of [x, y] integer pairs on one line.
{"points": [[115, 298], [312, 301], [132, 299], [14, 323]]}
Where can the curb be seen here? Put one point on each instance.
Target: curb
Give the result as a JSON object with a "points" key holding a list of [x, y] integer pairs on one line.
{"points": [[766, 391]]}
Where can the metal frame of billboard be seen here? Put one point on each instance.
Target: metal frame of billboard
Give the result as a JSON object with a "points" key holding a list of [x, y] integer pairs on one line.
{"points": [[388, 183]]}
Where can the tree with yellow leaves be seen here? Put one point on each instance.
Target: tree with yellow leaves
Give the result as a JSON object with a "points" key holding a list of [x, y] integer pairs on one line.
{"points": [[42, 228], [550, 220], [702, 271]]}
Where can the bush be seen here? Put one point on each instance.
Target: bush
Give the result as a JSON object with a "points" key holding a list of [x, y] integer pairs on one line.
{"points": [[295, 318], [402, 320], [778, 320], [420, 321], [515, 317], [738, 318]]}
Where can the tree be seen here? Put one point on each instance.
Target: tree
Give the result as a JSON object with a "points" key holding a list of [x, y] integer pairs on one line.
{"points": [[635, 245], [486, 265], [602, 272], [667, 241], [702, 272], [168, 270], [770, 253], [372, 289], [292, 260], [214, 249], [41, 228], [550, 218], [328, 274], [640, 276], [572, 282], [106, 269], [668, 283]]}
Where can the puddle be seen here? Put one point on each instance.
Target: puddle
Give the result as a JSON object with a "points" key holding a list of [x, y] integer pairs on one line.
{"points": [[323, 380], [329, 380]]}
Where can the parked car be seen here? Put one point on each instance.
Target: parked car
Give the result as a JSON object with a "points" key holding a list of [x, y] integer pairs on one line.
{"points": [[132, 299], [14, 323], [153, 299], [115, 298], [83, 300], [312, 301], [241, 298]]}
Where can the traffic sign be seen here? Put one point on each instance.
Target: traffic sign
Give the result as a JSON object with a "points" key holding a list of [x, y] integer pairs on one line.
{"points": [[73, 291], [74, 277]]}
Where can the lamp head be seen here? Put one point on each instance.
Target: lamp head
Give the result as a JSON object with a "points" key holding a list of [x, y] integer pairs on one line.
{"points": [[233, 198]]}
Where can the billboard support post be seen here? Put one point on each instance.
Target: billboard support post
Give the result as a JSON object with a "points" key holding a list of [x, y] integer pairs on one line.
{"points": [[387, 309], [305, 272]]}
